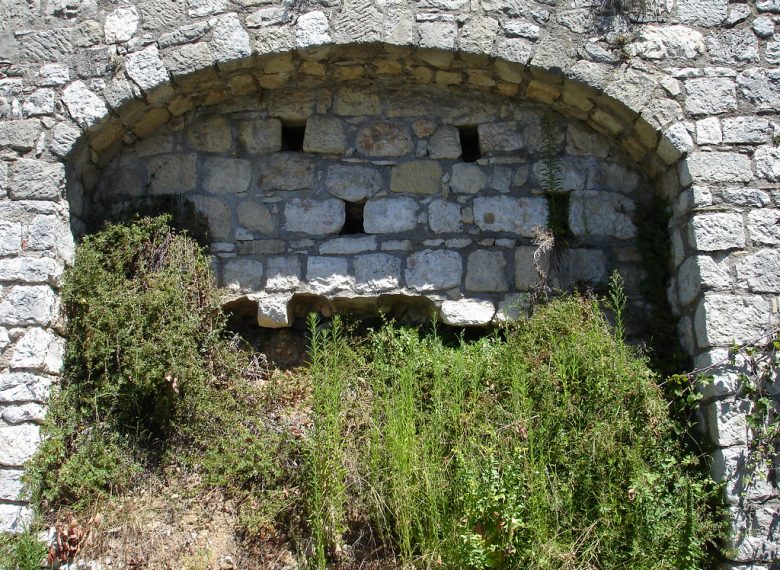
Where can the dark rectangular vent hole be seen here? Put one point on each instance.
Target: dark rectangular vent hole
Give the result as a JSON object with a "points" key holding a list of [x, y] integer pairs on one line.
{"points": [[558, 204], [292, 137], [353, 220], [469, 144]]}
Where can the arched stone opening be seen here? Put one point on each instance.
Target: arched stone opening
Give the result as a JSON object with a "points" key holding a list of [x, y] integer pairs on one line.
{"points": [[343, 173]]}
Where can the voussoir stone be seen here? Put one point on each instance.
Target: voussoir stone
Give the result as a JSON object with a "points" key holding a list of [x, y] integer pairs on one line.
{"points": [[431, 270], [146, 68], [84, 106], [467, 312]]}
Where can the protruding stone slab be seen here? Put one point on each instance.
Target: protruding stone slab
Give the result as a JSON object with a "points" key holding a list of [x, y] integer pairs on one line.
{"points": [[467, 313]]}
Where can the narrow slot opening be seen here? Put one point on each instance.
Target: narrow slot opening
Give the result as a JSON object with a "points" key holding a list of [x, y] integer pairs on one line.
{"points": [[353, 219], [292, 137], [558, 205], [469, 144]]}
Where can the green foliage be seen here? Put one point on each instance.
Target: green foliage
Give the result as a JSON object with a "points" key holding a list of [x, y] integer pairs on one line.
{"points": [[552, 185], [550, 448], [21, 552]]}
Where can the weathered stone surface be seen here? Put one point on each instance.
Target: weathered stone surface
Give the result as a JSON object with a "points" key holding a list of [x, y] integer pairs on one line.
{"points": [[267, 17], [10, 237], [312, 30], [256, 217], [726, 425], [664, 42], [384, 139], [287, 172], [724, 319], [675, 142], [486, 271], [717, 167], [273, 311], [710, 95], [18, 443], [444, 217], [325, 135], [764, 226], [39, 102], [283, 274], [30, 269], [355, 101], [45, 45], [594, 213], [438, 35], [19, 387], [146, 68], [706, 13], [768, 162], [226, 175], [50, 234], [377, 273], [229, 40], [188, 59], [708, 131], [746, 130], [445, 143], [172, 173], [328, 275], [761, 87], [121, 24], [21, 134], [352, 183], [763, 26], [758, 272], [390, 215], [24, 413], [314, 217], [260, 135], [39, 349], [37, 180], [467, 179], [246, 274], [84, 106], [430, 270], [467, 312], [716, 231], [416, 177], [210, 135], [54, 75], [29, 306], [733, 47], [500, 137], [700, 272], [199, 8], [513, 215], [477, 35], [11, 485]]}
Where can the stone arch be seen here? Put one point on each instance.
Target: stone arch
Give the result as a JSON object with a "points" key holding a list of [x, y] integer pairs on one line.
{"points": [[334, 86], [692, 100]]}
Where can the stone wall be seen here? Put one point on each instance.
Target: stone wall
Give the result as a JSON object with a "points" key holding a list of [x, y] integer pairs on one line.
{"points": [[376, 200], [687, 93]]}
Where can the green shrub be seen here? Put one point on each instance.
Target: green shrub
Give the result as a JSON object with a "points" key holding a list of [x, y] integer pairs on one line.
{"points": [[21, 552]]}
